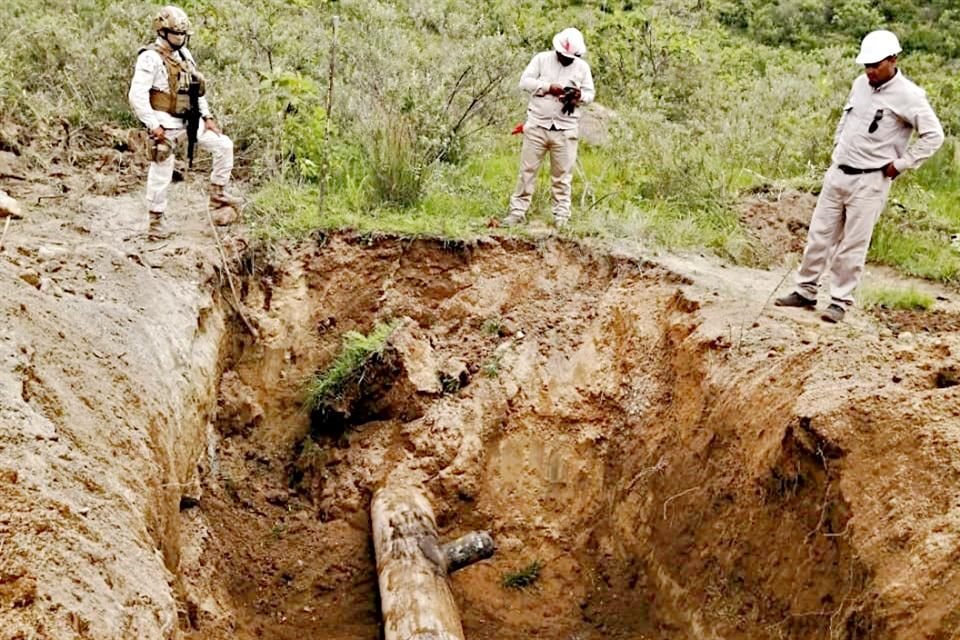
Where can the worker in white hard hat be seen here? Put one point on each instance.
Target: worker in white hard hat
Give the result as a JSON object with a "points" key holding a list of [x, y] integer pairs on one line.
{"points": [[166, 88], [560, 84], [872, 146]]}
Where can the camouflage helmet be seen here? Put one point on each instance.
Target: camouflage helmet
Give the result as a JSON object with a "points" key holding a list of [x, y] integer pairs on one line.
{"points": [[172, 18]]}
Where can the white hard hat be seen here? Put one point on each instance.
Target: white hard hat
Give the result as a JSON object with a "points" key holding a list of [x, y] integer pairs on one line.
{"points": [[569, 42], [878, 45]]}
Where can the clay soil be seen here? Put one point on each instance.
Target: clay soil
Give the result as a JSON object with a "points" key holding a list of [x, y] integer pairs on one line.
{"points": [[682, 459]]}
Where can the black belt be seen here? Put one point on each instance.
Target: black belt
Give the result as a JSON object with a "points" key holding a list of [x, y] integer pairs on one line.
{"points": [[851, 171]]}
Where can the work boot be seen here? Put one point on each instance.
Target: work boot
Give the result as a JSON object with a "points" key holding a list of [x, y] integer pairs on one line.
{"points": [[512, 220], [833, 314], [220, 198], [795, 300], [155, 227]]}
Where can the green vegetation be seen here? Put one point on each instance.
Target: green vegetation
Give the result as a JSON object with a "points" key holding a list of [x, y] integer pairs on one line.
{"points": [[491, 367], [356, 353], [492, 326], [522, 578], [909, 299], [929, 26], [704, 102]]}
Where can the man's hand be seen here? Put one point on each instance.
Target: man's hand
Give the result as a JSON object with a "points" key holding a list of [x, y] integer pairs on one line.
{"points": [[890, 171], [574, 94], [211, 125], [158, 134], [555, 90]]}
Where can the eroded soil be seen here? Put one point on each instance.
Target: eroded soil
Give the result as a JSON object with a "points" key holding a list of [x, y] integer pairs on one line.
{"points": [[684, 459], [619, 424]]}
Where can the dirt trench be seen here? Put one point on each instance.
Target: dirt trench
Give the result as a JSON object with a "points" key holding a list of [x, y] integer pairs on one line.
{"points": [[678, 458], [670, 479]]}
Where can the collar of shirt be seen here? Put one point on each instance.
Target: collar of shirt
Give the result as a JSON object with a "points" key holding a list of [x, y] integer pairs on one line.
{"points": [[889, 83]]}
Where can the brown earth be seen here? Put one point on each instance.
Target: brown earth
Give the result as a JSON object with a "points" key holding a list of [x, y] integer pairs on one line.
{"points": [[777, 221], [683, 459]]}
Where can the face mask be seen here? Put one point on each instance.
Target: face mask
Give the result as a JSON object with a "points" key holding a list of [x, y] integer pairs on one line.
{"points": [[173, 45]]}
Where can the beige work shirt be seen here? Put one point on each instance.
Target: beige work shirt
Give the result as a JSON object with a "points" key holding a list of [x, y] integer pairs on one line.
{"points": [[899, 107], [544, 110]]}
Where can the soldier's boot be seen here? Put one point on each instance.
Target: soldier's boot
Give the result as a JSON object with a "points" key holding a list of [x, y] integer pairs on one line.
{"points": [[219, 197], [156, 229]]}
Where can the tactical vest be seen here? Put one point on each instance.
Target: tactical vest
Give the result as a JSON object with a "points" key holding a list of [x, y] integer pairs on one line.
{"points": [[176, 100]]}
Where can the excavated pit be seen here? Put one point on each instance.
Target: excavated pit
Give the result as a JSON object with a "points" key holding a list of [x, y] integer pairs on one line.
{"points": [[674, 480]]}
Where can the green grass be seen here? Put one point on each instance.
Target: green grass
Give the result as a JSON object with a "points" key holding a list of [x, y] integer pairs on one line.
{"points": [[492, 325], [913, 234], [355, 354], [725, 105], [909, 299], [462, 202], [522, 578], [921, 250], [491, 367]]}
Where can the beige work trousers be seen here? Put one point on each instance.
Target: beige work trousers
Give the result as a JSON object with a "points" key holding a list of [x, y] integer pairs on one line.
{"points": [[160, 174], [562, 145], [840, 231]]}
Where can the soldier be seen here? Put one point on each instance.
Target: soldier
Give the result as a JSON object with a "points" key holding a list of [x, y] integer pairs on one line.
{"points": [[160, 97], [870, 149], [559, 83]]}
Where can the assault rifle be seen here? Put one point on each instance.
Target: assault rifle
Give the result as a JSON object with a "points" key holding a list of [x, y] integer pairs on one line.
{"points": [[193, 117]]}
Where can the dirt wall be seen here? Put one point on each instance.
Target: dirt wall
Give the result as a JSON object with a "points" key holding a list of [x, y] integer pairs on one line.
{"points": [[107, 372], [678, 471]]}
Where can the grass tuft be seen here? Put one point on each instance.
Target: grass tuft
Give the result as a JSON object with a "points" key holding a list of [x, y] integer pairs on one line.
{"points": [[492, 326], [522, 578], [910, 299], [357, 352]]}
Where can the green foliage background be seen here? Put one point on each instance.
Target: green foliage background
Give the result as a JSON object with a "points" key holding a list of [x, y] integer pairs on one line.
{"points": [[707, 99]]}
